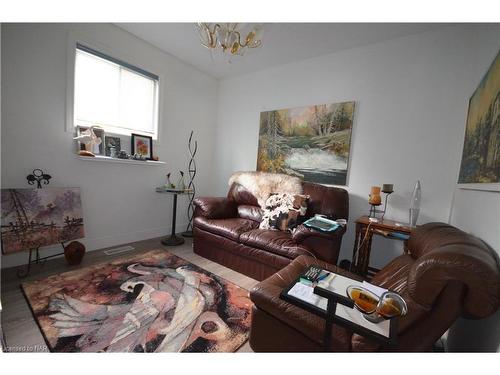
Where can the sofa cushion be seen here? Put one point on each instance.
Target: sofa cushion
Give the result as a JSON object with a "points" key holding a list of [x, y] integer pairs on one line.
{"points": [[276, 242], [214, 207], [249, 212], [229, 228], [240, 195], [327, 200], [284, 211]]}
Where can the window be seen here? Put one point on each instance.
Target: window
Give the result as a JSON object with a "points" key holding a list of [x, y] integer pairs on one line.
{"points": [[115, 95]]}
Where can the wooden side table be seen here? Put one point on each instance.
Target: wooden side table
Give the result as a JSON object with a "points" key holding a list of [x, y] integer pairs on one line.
{"points": [[365, 230]]}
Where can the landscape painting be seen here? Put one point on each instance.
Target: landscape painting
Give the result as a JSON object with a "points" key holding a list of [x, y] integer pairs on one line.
{"points": [[33, 218], [311, 142], [481, 152]]}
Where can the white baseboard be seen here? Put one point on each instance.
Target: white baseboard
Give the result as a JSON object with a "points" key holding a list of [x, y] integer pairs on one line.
{"points": [[91, 244]]}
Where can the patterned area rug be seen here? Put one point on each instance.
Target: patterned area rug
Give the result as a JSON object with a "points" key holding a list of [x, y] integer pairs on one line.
{"points": [[152, 302]]}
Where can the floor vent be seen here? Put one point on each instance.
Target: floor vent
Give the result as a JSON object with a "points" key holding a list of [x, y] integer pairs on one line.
{"points": [[118, 250]]}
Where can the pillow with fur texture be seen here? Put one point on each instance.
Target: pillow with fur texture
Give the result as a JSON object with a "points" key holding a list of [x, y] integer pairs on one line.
{"points": [[284, 211]]}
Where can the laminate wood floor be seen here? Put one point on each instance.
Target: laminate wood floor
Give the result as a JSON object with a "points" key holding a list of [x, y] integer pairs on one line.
{"points": [[20, 329]]}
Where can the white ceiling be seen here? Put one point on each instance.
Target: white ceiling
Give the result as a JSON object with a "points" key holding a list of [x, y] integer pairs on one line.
{"points": [[282, 42]]}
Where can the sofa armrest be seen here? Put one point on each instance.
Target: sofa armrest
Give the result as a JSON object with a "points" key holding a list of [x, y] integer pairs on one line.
{"points": [[325, 246], [215, 207]]}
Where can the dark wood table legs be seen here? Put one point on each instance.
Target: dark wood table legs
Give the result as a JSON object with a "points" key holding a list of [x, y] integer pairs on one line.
{"points": [[173, 239], [365, 230]]}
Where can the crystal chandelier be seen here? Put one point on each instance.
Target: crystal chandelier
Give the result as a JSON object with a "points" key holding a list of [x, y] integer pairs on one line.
{"points": [[229, 38]]}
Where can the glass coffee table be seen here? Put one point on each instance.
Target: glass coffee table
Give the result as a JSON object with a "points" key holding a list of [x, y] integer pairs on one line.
{"points": [[329, 300]]}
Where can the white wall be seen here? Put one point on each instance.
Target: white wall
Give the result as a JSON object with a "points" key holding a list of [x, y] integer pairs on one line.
{"points": [[119, 201], [478, 213], [411, 98]]}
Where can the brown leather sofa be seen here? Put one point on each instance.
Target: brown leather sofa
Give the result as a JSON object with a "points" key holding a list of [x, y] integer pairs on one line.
{"points": [[226, 231], [447, 274]]}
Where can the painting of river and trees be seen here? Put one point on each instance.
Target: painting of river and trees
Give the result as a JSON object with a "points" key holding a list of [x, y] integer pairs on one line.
{"points": [[311, 142], [33, 218], [481, 153]]}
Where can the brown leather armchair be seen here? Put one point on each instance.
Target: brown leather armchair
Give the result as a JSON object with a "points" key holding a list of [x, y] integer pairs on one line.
{"points": [[226, 231], [447, 274]]}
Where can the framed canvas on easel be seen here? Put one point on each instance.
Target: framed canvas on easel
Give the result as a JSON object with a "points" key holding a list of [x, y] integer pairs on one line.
{"points": [[33, 218]]}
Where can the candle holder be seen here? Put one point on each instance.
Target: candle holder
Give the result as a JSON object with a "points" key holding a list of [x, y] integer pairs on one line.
{"points": [[375, 199]]}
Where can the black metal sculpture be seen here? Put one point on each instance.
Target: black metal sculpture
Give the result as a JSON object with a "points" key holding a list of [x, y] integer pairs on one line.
{"points": [[38, 176], [192, 190]]}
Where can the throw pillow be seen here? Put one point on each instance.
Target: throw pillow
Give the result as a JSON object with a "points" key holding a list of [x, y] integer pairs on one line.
{"points": [[284, 211]]}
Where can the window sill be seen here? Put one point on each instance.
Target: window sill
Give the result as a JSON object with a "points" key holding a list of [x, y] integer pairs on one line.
{"points": [[107, 159]]}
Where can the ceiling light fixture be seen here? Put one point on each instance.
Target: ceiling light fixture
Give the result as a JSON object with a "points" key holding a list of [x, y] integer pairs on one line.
{"points": [[227, 37]]}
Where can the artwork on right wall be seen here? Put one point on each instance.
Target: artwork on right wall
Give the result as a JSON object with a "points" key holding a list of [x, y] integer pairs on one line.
{"points": [[480, 167]]}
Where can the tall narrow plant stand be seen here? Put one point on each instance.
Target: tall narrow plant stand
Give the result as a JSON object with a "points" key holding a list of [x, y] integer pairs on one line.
{"points": [[173, 239]]}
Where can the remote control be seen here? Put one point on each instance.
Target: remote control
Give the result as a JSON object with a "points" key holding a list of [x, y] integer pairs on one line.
{"points": [[312, 273]]}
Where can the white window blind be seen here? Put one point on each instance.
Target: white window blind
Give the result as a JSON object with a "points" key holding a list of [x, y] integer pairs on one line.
{"points": [[115, 95]]}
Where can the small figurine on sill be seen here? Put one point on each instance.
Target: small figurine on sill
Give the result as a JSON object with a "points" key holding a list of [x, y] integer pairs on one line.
{"points": [[90, 140], [122, 155], [138, 157], [112, 152], [85, 153]]}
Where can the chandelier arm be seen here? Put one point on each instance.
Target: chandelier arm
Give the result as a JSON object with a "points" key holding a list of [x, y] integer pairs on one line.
{"points": [[216, 26], [238, 35], [258, 43], [216, 38], [206, 28], [205, 45]]}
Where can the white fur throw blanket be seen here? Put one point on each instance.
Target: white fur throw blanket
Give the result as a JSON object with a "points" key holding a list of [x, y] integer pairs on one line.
{"points": [[263, 184]]}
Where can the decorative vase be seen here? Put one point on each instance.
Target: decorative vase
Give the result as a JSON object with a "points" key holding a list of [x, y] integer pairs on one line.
{"points": [[74, 252], [181, 185], [169, 184], [415, 204]]}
